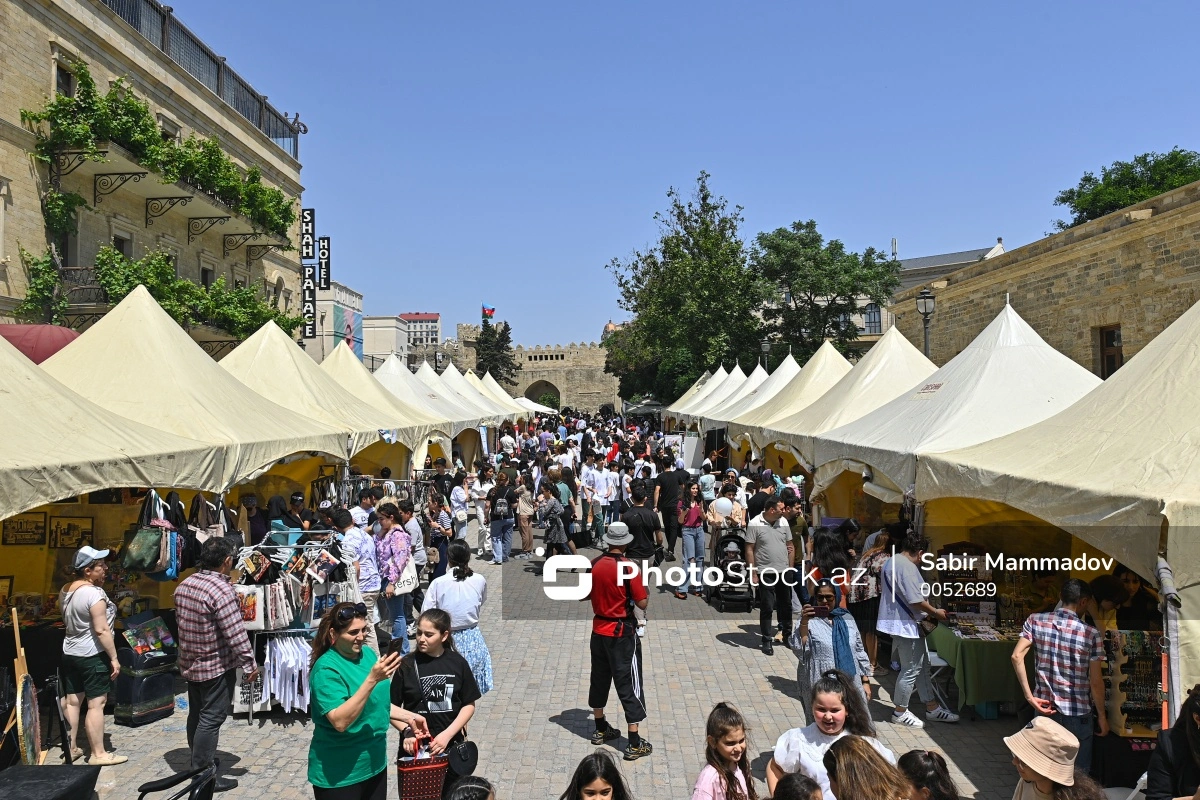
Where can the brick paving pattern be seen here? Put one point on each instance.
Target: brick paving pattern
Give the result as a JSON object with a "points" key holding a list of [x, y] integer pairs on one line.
{"points": [[532, 728]]}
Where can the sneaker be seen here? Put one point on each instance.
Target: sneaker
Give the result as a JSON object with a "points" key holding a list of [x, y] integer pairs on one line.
{"points": [[907, 718], [670, 557], [600, 737], [768, 647], [942, 714], [634, 753]]}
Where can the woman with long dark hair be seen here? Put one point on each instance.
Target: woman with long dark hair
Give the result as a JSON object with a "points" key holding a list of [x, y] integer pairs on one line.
{"points": [[461, 592], [1175, 765], [832, 559], [434, 685], [691, 521], [862, 601], [526, 497], [348, 685], [393, 549], [929, 775], [597, 778]]}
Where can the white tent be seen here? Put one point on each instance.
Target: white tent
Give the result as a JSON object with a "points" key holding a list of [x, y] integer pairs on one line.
{"points": [[495, 388], [536, 408], [1006, 379], [682, 406], [455, 381], [487, 414], [488, 387], [729, 387], [272, 364], [889, 369], [398, 379], [59, 444], [748, 400], [712, 408], [692, 391], [819, 374], [137, 362]]}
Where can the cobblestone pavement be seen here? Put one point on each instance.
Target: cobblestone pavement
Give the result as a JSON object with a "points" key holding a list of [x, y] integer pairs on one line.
{"points": [[532, 728]]}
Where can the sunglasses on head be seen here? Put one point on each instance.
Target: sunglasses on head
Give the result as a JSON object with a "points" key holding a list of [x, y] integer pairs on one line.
{"points": [[346, 613]]}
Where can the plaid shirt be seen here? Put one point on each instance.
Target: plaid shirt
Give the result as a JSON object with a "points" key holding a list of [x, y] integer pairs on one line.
{"points": [[212, 635], [1066, 646]]}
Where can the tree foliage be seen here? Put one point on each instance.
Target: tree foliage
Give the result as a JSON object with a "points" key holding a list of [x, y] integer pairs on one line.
{"points": [[693, 298], [45, 301], [494, 352], [818, 286], [549, 399], [1125, 183]]}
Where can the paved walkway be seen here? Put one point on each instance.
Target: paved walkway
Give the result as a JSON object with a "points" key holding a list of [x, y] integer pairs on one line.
{"points": [[533, 727]]}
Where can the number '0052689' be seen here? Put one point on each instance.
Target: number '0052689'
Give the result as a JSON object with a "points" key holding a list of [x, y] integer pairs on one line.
{"points": [[966, 589]]}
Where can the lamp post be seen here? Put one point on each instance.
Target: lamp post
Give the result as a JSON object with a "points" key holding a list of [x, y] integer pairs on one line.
{"points": [[925, 307], [766, 350]]}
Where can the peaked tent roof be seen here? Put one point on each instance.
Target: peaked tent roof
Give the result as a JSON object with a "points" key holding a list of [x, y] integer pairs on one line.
{"points": [[819, 374], [714, 409], [350, 373], [681, 406], [455, 381], [58, 443], [398, 379], [733, 381], [748, 401], [497, 395], [693, 390], [1110, 468], [1006, 379], [888, 370], [536, 408], [271, 363], [486, 414], [137, 362], [493, 387]]}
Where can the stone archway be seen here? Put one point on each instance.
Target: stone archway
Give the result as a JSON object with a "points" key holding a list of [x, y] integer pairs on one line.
{"points": [[538, 388]]}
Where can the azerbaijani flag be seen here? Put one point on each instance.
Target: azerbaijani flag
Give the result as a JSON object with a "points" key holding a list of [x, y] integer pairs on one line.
{"points": [[489, 311]]}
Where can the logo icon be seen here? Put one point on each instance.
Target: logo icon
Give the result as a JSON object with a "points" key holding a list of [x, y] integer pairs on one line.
{"points": [[560, 563]]}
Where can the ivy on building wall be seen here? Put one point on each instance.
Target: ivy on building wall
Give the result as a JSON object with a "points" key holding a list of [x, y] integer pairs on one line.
{"points": [[45, 302]]}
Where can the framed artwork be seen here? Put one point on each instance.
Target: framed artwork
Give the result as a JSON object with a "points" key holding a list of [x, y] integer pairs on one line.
{"points": [[6, 584], [70, 533], [27, 528], [106, 497]]}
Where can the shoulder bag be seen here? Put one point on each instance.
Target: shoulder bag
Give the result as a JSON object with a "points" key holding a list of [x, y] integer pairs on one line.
{"points": [[408, 577]]}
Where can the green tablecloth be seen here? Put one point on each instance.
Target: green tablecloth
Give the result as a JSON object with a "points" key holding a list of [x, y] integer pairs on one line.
{"points": [[982, 669]]}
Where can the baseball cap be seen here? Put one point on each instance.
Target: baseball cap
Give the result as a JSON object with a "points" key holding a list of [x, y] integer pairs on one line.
{"points": [[618, 534], [325, 505], [679, 464], [249, 501], [1047, 748], [297, 497], [85, 555]]}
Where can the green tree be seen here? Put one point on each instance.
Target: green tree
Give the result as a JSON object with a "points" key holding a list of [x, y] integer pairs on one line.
{"points": [[494, 352], [45, 300], [1125, 183], [549, 399], [818, 286], [693, 298]]}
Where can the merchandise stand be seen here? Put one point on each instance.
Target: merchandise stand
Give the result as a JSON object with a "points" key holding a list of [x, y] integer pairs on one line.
{"points": [[254, 640]]}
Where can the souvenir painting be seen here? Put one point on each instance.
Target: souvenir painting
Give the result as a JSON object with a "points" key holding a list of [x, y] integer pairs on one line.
{"points": [[29, 727], [70, 533], [250, 600]]}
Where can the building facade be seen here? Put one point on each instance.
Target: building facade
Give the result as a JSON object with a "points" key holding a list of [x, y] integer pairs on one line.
{"points": [[424, 328], [1098, 292], [384, 337], [190, 90], [339, 319]]}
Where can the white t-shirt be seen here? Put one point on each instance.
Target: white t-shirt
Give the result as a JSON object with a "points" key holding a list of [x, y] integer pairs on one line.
{"points": [[508, 444], [899, 581], [479, 494], [80, 639], [803, 750], [460, 599]]}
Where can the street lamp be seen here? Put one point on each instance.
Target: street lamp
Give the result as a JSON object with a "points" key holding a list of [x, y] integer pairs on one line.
{"points": [[925, 307], [766, 350]]}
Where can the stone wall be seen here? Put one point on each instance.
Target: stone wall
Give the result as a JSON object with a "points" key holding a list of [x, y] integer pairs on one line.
{"points": [[575, 371], [1138, 268]]}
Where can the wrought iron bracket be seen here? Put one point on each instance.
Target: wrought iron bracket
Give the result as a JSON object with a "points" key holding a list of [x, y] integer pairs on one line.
{"points": [[235, 240], [198, 225], [256, 251], [157, 206], [67, 161], [218, 348], [108, 182]]}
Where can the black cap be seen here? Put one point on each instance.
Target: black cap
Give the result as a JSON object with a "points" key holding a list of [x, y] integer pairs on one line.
{"points": [[297, 497]]}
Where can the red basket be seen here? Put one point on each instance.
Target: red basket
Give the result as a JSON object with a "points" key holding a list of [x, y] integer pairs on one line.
{"points": [[422, 778]]}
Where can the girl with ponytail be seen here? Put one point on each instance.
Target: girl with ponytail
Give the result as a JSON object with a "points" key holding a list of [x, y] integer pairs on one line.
{"points": [[727, 775], [461, 592]]}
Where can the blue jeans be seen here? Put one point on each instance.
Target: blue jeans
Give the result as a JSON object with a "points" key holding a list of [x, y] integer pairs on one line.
{"points": [[502, 532], [693, 551], [1082, 728], [395, 610]]}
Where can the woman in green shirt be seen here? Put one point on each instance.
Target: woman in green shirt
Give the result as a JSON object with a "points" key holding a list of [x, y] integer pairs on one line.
{"points": [[351, 707]]}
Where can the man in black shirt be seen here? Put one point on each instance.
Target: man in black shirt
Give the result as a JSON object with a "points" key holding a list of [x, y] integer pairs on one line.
{"points": [[666, 500], [757, 502], [297, 516], [443, 481], [643, 525], [259, 525]]}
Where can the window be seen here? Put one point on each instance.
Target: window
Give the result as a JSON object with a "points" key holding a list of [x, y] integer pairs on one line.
{"points": [[123, 245], [206, 277], [64, 81], [1111, 355], [872, 322]]}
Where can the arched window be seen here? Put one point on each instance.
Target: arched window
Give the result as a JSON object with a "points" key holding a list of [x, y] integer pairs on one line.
{"points": [[872, 322]]}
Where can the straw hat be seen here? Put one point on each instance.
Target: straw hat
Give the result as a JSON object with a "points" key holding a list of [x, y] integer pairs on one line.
{"points": [[1047, 748]]}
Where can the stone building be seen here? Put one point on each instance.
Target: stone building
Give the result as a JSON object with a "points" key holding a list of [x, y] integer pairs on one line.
{"points": [[1097, 292], [190, 90]]}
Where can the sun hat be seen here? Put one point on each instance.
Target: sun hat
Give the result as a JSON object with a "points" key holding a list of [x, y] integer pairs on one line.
{"points": [[618, 534], [1047, 748], [86, 556]]}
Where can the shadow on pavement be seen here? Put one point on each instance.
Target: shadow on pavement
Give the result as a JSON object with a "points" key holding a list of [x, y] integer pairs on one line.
{"points": [[577, 721]]}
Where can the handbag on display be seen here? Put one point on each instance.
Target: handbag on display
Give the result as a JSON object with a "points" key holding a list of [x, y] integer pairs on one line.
{"points": [[249, 696], [146, 550]]}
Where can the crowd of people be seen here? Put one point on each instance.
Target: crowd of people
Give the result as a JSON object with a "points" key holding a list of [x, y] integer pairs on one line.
{"points": [[411, 654]]}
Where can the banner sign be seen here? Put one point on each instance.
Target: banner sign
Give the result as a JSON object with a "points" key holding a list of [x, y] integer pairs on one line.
{"points": [[323, 262], [308, 302], [308, 233]]}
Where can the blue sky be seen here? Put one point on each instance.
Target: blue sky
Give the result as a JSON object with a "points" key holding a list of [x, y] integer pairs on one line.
{"points": [[463, 153]]}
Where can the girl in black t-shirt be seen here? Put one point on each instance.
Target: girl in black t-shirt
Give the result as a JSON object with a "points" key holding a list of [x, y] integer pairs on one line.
{"points": [[436, 683]]}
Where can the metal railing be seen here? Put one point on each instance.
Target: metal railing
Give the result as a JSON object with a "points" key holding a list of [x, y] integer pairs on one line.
{"points": [[80, 286], [154, 22]]}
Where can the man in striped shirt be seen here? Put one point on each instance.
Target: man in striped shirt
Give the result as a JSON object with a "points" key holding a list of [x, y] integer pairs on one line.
{"points": [[1069, 654], [212, 645]]}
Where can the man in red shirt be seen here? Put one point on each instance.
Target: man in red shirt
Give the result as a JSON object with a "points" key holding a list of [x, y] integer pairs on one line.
{"points": [[616, 649]]}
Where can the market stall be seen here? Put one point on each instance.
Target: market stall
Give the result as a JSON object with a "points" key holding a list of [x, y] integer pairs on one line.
{"points": [[488, 387], [398, 379], [500, 412], [734, 387], [748, 400], [697, 393]]}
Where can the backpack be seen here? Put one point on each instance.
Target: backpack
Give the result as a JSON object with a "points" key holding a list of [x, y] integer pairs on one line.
{"points": [[501, 508]]}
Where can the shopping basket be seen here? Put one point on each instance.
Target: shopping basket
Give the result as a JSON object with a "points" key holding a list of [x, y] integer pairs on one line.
{"points": [[421, 778]]}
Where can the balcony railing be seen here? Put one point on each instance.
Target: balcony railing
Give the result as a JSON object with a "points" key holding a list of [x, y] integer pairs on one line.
{"points": [[154, 22]]}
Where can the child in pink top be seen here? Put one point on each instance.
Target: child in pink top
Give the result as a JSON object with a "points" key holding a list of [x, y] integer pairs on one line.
{"points": [[727, 775]]}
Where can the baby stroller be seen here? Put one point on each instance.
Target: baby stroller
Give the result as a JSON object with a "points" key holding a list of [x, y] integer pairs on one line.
{"points": [[734, 587]]}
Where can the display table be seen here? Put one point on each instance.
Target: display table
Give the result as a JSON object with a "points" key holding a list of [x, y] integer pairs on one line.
{"points": [[983, 669], [48, 782]]}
